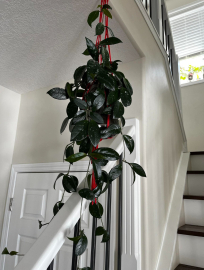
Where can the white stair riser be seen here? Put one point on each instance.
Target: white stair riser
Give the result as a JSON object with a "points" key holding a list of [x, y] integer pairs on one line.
{"points": [[195, 184], [196, 163], [194, 212], [191, 250]]}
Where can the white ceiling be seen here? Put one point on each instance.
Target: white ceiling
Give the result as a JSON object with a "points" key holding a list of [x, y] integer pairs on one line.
{"points": [[41, 41]]}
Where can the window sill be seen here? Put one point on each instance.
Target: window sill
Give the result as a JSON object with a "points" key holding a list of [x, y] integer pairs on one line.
{"points": [[191, 83]]}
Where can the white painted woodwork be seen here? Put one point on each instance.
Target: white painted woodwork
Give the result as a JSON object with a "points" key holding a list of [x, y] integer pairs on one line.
{"points": [[194, 212], [195, 184], [191, 250], [196, 163]]}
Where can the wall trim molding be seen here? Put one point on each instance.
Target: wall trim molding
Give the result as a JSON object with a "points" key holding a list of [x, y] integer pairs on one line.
{"points": [[172, 221]]}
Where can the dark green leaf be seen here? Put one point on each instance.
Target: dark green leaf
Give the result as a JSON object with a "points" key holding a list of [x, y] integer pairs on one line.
{"points": [[89, 98], [96, 210], [92, 49], [86, 52], [110, 41], [105, 56], [128, 86], [79, 116], [112, 97], [81, 245], [85, 268], [112, 130], [69, 151], [71, 109], [92, 17], [57, 207], [96, 117], [96, 155], [98, 102], [97, 191], [106, 237], [80, 103], [5, 251], [59, 175], [76, 157], [80, 131], [118, 110], [105, 177], [68, 88], [97, 170], [85, 146], [79, 72], [108, 153], [107, 110], [101, 162], [75, 239], [92, 67], [94, 133], [70, 183], [115, 172], [12, 253], [106, 187], [89, 178], [106, 79], [122, 121], [129, 143], [87, 194], [100, 29], [58, 93], [64, 125], [138, 169], [107, 6], [111, 32], [40, 224], [99, 231], [107, 13], [98, 91], [125, 97]]}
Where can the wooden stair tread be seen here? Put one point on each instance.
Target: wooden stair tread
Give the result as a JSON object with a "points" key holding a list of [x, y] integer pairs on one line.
{"points": [[193, 197], [197, 153], [195, 172], [191, 230], [187, 267]]}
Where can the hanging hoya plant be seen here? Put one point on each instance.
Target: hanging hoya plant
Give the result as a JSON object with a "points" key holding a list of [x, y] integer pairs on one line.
{"points": [[96, 102]]}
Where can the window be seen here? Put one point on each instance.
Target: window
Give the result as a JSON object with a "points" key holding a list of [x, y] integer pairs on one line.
{"points": [[188, 33]]}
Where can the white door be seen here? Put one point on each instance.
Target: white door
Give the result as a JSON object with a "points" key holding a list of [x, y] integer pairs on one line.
{"points": [[34, 199]]}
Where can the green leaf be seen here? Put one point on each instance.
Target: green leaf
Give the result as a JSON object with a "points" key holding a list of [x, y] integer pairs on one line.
{"points": [[75, 239], [85, 268], [106, 187], [80, 103], [64, 125], [106, 237], [107, 13], [112, 130], [125, 97], [76, 157], [111, 32], [105, 177], [118, 110], [107, 6], [58, 93], [110, 41], [98, 102], [81, 245], [128, 86], [86, 52], [80, 131], [97, 191], [138, 169], [70, 183], [71, 109], [40, 224], [92, 67], [107, 110], [68, 88], [79, 116], [92, 49], [85, 146], [129, 143], [5, 251], [69, 151], [87, 194], [108, 153], [105, 57], [94, 133], [122, 121], [100, 29], [101, 162], [57, 207], [96, 210], [12, 253], [59, 175], [99, 231], [78, 74], [97, 117], [92, 17], [112, 97], [96, 169], [115, 172], [106, 79], [96, 155]]}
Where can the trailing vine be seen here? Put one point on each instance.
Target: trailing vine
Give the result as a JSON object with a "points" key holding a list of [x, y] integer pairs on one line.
{"points": [[95, 110]]}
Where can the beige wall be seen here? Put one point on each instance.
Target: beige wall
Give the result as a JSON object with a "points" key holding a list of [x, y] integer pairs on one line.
{"points": [[175, 4], [193, 114], [9, 109]]}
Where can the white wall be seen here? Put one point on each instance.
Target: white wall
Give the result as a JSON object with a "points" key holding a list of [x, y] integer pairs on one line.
{"points": [[9, 110], [193, 115], [175, 4]]}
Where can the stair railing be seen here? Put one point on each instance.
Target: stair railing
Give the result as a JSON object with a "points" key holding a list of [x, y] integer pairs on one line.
{"points": [[41, 254]]}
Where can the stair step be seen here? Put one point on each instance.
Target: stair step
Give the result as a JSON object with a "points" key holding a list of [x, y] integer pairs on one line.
{"points": [[187, 267], [195, 172], [193, 197], [197, 153], [191, 230]]}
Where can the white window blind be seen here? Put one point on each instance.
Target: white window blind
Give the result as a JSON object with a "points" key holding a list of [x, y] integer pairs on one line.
{"points": [[188, 31]]}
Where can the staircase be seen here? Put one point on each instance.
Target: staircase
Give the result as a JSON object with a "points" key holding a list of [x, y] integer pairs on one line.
{"points": [[191, 234]]}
